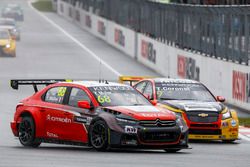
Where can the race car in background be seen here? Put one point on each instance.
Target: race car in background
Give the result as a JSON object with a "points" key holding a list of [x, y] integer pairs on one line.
{"points": [[13, 11], [7, 44], [101, 115], [10, 24], [205, 115]]}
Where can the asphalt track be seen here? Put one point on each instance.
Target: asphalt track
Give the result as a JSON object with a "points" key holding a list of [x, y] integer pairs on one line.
{"points": [[46, 52]]}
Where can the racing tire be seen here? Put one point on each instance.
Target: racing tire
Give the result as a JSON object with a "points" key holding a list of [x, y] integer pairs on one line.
{"points": [[14, 54], [228, 141], [172, 150], [26, 133], [99, 135]]}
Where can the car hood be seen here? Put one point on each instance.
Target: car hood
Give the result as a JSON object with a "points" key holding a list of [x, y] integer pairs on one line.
{"points": [[194, 105], [144, 112]]}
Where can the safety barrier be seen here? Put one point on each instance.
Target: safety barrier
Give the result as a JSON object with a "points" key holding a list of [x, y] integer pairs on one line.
{"points": [[222, 77]]}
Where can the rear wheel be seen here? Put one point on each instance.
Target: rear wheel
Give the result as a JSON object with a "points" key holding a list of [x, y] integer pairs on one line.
{"points": [[27, 133], [172, 150], [99, 135]]}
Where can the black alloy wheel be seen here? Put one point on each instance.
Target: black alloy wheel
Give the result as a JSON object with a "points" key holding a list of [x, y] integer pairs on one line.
{"points": [[27, 133], [99, 135]]}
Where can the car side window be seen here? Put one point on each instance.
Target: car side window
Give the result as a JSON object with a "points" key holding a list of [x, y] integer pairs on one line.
{"points": [[77, 95], [141, 86], [149, 90], [55, 95]]}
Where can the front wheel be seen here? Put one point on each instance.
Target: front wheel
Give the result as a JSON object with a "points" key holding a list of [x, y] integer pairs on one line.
{"points": [[228, 141], [27, 133], [99, 135]]}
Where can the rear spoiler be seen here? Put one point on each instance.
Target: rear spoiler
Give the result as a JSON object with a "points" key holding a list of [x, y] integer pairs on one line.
{"points": [[132, 79], [14, 83]]}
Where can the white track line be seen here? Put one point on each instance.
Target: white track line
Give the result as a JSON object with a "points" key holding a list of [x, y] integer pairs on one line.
{"points": [[244, 137], [74, 39]]}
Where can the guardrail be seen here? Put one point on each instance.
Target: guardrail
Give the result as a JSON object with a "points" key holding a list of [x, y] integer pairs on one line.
{"points": [[217, 31]]}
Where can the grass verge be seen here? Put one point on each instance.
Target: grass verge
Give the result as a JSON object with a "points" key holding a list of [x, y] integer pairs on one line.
{"points": [[244, 122], [43, 5]]}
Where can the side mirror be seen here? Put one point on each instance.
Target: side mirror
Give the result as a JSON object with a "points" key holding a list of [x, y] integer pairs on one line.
{"points": [[220, 99], [154, 102], [84, 104]]}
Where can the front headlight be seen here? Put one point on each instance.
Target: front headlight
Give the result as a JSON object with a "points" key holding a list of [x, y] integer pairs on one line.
{"points": [[181, 123], [179, 114], [7, 46], [226, 115], [122, 120]]}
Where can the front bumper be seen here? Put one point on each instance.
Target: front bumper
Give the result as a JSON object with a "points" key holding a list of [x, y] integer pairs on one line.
{"points": [[13, 126], [228, 131], [152, 138]]}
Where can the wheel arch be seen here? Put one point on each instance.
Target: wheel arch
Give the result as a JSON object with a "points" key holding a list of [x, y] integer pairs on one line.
{"points": [[39, 128]]}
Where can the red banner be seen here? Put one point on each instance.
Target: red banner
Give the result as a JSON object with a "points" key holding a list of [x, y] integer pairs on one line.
{"points": [[239, 85], [181, 66]]}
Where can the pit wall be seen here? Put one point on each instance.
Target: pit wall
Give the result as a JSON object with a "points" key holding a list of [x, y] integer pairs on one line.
{"points": [[223, 78]]}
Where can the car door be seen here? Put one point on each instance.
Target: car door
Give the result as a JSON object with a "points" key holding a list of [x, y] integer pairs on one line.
{"points": [[56, 120], [81, 117]]}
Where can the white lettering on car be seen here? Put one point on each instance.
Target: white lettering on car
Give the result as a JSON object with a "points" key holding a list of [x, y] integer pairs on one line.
{"points": [[58, 119]]}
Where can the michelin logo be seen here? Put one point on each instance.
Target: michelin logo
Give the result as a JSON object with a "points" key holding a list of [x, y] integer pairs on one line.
{"points": [[233, 123], [58, 119]]}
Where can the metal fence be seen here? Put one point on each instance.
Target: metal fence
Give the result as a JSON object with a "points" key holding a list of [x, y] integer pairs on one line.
{"points": [[217, 31]]}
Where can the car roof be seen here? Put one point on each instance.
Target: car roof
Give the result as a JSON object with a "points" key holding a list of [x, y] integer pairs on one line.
{"points": [[96, 83], [172, 80]]}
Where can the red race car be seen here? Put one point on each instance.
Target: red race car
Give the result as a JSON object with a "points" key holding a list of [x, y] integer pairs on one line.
{"points": [[98, 114]]}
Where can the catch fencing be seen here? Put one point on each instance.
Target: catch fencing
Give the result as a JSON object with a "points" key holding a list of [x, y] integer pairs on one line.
{"points": [[217, 31]]}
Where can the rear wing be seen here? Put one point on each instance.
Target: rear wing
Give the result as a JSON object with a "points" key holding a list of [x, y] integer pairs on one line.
{"points": [[14, 83], [132, 79]]}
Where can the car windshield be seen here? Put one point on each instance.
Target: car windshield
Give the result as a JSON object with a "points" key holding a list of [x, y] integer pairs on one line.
{"points": [[4, 35], [183, 91], [118, 96]]}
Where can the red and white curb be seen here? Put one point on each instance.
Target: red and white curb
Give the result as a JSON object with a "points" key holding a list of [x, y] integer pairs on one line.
{"points": [[244, 133]]}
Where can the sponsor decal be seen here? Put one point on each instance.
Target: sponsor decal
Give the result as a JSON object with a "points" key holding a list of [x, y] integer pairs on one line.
{"points": [[241, 86], [148, 51], [89, 119], [130, 129], [78, 17], [80, 119], [49, 134], [203, 115], [233, 123], [187, 68], [119, 37], [153, 115], [58, 119], [142, 108], [88, 21], [101, 27]]}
